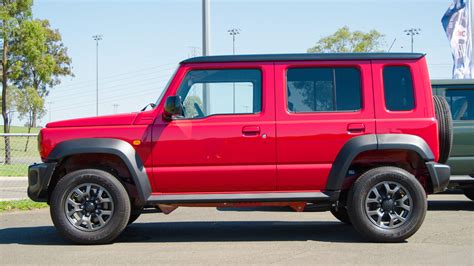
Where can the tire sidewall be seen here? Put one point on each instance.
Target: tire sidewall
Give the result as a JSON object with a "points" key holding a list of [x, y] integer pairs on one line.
{"points": [[112, 228], [362, 187]]}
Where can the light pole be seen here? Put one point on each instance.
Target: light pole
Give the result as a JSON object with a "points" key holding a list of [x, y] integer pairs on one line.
{"points": [[115, 105], [206, 48], [233, 32], [97, 38], [412, 32]]}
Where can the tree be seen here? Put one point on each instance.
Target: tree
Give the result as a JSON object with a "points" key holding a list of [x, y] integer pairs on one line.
{"points": [[189, 105], [47, 61], [33, 55], [30, 105], [345, 41], [12, 93]]}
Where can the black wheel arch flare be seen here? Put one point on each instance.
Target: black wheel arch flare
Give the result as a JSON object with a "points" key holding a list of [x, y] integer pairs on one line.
{"points": [[117, 147], [368, 142]]}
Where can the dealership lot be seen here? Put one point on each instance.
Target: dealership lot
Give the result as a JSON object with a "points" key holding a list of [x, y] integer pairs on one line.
{"points": [[209, 236]]}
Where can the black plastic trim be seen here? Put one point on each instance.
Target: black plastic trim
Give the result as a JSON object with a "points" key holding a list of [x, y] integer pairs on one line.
{"points": [[439, 174], [39, 176], [116, 147], [363, 143], [248, 197], [349, 151], [302, 57], [405, 142]]}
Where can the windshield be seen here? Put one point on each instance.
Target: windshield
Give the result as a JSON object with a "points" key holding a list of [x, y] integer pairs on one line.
{"points": [[166, 87]]}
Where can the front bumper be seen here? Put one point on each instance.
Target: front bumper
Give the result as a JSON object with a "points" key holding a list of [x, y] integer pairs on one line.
{"points": [[39, 177], [439, 174]]}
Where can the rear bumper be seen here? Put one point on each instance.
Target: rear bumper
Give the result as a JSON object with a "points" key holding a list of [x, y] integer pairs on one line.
{"points": [[39, 176], [439, 174]]}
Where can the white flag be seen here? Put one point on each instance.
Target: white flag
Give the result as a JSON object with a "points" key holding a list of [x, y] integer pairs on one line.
{"points": [[457, 24]]}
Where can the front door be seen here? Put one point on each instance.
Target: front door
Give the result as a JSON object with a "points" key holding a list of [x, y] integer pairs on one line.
{"points": [[226, 140]]}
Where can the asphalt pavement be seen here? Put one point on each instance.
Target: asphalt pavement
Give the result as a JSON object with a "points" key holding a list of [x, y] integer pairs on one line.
{"points": [[210, 236]]}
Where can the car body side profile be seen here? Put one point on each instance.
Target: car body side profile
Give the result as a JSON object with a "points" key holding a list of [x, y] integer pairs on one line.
{"points": [[357, 134]]}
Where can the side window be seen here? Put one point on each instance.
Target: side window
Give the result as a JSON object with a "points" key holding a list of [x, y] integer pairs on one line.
{"points": [[229, 91], [461, 103], [323, 89], [398, 88]]}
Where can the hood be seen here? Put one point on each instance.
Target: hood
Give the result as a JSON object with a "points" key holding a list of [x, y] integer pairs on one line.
{"points": [[108, 120]]}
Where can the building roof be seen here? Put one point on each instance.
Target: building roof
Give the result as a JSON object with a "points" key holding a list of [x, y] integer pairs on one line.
{"points": [[301, 57]]}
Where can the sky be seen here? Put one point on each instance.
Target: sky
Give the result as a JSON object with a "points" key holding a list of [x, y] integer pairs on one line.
{"points": [[144, 41]]}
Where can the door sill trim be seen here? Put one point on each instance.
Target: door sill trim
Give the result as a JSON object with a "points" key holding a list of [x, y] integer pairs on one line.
{"points": [[245, 197]]}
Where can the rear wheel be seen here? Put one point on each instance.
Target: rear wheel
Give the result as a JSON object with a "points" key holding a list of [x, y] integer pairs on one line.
{"points": [[90, 206], [134, 214], [387, 204], [340, 212]]}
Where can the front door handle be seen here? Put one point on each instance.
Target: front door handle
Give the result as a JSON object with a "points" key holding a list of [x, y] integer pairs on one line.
{"points": [[356, 128], [251, 131]]}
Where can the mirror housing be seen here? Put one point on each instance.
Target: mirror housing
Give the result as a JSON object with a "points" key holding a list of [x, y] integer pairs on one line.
{"points": [[173, 108]]}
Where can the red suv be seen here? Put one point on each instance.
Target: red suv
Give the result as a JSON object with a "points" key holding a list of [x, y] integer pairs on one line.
{"points": [[356, 134]]}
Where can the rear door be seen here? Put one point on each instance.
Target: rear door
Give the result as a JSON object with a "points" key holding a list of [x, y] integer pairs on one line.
{"points": [[405, 100], [320, 106]]}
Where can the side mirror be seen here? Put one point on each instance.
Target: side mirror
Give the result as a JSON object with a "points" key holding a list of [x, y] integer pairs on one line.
{"points": [[173, 108]]}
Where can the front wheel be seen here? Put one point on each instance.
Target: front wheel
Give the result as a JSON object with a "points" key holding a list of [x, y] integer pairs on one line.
{"points": [[387, 204], [90, 206]]}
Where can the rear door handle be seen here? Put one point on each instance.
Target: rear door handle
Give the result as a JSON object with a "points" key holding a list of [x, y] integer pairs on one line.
{"points": [[356, 128], [250, 131]]}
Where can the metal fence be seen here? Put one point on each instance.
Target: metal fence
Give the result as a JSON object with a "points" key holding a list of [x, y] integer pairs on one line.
{"points": [[17, 151]]}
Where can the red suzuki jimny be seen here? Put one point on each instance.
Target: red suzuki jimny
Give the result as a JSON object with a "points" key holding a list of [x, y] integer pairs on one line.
{"points": [[357, 134]]}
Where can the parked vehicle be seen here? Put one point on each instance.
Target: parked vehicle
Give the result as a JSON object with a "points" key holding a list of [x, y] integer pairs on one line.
{"points": [[356, 134], [460, 97]]}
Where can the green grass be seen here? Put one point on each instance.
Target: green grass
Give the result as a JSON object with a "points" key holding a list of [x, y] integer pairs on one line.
{"points": [[21, 205], [17, 129], [14, 170], [20, 157]]}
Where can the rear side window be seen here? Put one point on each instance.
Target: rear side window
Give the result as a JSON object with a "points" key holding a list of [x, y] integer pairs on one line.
{"points": [[398, 88], [323, 89], [461, 103]]}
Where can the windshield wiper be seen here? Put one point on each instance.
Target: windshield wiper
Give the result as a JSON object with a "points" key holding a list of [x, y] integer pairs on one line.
{"points": [[152, 105]]}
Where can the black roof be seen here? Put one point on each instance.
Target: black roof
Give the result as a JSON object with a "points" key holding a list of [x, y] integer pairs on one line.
{"points": [[302, 57]]}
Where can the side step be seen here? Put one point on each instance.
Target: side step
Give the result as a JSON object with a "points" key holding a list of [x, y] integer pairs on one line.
{"points": [[456, 181], [248, 197]]}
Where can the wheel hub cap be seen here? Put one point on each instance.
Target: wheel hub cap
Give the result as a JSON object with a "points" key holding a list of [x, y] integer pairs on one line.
{"points": [[388, 205], [89, 207]]}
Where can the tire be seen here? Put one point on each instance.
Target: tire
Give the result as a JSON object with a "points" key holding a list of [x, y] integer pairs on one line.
{"points": [[469, 193], [363, 202], [445, 127], [89, 194], [340, 212], [134, 214]]}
